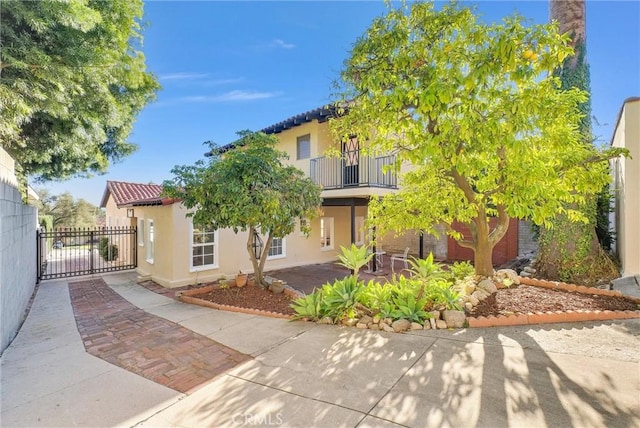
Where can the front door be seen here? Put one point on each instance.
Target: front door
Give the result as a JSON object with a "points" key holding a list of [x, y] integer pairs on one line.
{"points": [[351, 162]]}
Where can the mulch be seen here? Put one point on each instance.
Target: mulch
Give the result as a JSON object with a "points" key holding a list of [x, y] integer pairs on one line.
{"points": [[250, 297], [122, 334], [524, 299]]}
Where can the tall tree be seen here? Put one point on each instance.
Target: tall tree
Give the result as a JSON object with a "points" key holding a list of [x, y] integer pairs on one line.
{"points": [[476, 111], [571, 251], [65, 211], [72, 80], [247, 188]]}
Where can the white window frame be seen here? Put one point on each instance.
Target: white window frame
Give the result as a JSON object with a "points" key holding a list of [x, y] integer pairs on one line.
{"points": [[359, 230], [141, 232], [284, 249], [215, 264], [303, 138], [150, 239], [323, 238]]}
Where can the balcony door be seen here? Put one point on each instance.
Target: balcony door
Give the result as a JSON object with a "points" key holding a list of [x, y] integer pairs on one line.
{"points": [[351, 162]]}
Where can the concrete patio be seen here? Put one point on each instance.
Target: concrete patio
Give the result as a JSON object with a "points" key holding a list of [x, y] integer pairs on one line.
{"points": [[307, 375]]}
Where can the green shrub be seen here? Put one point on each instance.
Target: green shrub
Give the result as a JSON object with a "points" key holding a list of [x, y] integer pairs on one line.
{"points": [[341, 297], [409, 308], [461, 270], [426, 269], [402, 286], [375, 295], [310, 306], [440, 293], [107, 251]]}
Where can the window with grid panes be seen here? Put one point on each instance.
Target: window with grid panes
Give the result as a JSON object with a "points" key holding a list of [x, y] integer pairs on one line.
{"points": [[204, 242]]}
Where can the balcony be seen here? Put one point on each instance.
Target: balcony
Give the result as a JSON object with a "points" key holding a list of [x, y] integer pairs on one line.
{"points": [[354, 170]]}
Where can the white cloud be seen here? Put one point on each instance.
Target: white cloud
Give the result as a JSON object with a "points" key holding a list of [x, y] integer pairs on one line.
{"points": [[279, 43], [231, 96], [216, 82], [183, 75]]}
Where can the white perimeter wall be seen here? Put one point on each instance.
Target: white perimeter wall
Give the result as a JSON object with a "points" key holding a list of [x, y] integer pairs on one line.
{"points": [[18, 223]]}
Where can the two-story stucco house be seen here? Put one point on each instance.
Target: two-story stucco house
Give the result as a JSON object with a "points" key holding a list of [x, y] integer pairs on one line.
{"points": [[174, 253]]}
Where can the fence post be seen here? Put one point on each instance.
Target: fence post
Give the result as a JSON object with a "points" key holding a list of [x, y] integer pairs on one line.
{"points": [[38, 261], [91, 250]]}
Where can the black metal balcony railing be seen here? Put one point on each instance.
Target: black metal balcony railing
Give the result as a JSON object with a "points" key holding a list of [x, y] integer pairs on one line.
{"points": [[363, 171]]}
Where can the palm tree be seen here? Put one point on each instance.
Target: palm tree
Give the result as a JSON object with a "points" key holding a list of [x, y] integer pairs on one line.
{"points": [[571, 251]]}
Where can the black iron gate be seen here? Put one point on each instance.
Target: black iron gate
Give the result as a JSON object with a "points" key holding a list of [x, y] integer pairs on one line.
{"points": [[72, 252]]}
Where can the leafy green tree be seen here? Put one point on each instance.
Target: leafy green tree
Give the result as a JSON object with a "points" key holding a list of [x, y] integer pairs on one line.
{"points": [[247, 188], [67, 212], [571, 251], [72, 80], [475, 110]]}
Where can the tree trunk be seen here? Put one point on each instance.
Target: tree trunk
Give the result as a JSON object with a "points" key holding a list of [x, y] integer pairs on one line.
{"points": [[256, 271], [258, 264], [486, 239], [571, 17], [483, 251], [570, 251]]}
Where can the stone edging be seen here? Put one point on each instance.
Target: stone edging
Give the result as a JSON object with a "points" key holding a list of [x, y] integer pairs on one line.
{"points": [[186, 296], [473, 322], [557, 316]]}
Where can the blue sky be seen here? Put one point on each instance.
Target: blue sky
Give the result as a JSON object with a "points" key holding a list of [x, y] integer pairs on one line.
{"points": [[228, 66]]}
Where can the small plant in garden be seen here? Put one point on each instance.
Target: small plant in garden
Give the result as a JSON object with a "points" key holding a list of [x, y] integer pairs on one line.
{"points": [[341, 297], [402, 285], [354, 258], [425, 270], [410, 308], [460, 270], [310, 306], [376, 295], [440, 293]]}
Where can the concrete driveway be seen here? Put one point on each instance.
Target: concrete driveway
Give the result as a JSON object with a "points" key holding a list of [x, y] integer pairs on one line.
{"points": [[307, 375]]}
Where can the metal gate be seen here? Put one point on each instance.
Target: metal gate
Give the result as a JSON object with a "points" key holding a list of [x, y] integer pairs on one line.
{"points": [[72, 252]]}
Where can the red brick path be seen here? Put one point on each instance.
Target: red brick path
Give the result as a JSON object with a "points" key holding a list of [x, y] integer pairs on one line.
{"points": [[160, 350]]}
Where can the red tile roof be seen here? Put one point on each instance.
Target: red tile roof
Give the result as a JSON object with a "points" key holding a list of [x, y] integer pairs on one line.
{"points": [[134, 194]]}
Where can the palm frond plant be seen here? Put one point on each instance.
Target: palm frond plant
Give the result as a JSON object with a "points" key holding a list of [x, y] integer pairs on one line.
{"points": [[354, 257], [425, 270]]}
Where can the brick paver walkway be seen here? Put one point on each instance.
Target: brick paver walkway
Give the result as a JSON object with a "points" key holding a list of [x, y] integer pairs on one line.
{"points": [[160, 350]]}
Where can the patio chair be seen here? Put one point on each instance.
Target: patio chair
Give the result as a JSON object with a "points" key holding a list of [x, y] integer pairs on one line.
{"points": [[401, 257]]}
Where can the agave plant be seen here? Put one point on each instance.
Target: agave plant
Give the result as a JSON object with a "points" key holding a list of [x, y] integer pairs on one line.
{"points": [[310, 306], [341, 298], [354, 258], [375, 295], [410, 308], [425, 270]]}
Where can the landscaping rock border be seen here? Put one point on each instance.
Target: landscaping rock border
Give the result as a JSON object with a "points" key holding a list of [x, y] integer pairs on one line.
{"points": [[447, 319], [451, 319]]}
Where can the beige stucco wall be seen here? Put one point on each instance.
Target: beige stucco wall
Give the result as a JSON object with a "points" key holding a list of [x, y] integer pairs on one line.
{"points": [[288, 140], [171, 262], [172, 250], [626, 182]]}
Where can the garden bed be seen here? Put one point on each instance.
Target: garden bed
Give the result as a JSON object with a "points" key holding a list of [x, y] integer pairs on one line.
{"points": [[250, 299], [535, 302]]}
